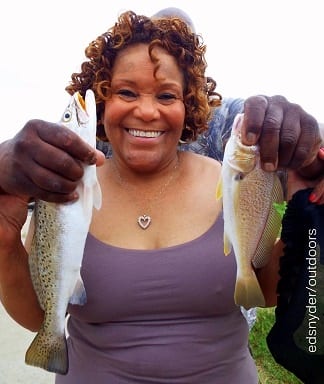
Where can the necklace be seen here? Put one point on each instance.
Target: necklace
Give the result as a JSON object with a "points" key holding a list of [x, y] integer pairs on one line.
{"points": [[145, 220]]}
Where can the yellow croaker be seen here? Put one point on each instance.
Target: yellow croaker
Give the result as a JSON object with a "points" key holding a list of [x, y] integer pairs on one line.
{"points": [[55, 242], [251, 222]]}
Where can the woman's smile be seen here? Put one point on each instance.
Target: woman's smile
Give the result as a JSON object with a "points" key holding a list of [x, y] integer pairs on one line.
{"points": [[144, 133]]}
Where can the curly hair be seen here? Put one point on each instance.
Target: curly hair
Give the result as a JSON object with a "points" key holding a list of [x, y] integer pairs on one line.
{"points": [[171, 34]]}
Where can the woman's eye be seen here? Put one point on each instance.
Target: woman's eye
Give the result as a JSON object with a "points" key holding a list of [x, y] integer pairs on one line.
{"points": [[127, 94], [167, 98]]}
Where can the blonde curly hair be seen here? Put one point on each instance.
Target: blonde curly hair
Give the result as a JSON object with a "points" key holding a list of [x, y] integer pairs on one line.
{"points": [[171, 34]]}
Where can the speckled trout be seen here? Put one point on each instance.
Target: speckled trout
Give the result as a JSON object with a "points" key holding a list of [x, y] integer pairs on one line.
{"points": [[251, 221], [56, 242]]}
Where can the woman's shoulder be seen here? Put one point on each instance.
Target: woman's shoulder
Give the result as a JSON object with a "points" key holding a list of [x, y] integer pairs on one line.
{"points": [[202, 168], [195, 160]]}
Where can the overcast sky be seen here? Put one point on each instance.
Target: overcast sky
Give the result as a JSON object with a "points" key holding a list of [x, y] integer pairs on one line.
{"points": [[253, 47]]}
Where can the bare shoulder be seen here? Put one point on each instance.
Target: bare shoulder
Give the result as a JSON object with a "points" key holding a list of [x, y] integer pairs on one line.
{"points": [[202, 165]]}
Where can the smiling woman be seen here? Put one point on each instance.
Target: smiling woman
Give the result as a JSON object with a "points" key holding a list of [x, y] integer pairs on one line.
{"points": [[160, 293], [144, 117]]}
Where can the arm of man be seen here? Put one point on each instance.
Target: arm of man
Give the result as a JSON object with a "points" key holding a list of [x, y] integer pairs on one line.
{"points": [[16, 289]]}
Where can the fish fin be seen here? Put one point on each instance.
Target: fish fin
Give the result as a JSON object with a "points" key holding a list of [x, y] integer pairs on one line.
{"points": [[97, 196], [49, 353], [79, 296], [227, 245], [219, 189], [30, 233], [248, 293], [271, 230], [91, 190]]}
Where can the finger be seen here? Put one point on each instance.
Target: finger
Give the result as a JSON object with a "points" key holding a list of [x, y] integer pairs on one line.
{"points": [[255, 108], [47, 187], [59, 162], [290, 133], [313, 167], [65, 139], [321, 153], [44, 182], [271, 133], [309, 142], [100, 158], [313, 170], [59, 198], [317, 195]]}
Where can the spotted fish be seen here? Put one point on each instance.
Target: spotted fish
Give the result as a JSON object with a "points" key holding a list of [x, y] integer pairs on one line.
{"points": [[251, 221], [56, 242]]}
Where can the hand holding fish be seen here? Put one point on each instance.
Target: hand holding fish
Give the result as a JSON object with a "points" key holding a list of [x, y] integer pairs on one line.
{"points": [[46, 159], [288, 136], [56, 244], [251, 222]]}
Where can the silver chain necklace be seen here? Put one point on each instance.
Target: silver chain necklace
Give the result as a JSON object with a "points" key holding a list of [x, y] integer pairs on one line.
{"points": [[145, 220]]}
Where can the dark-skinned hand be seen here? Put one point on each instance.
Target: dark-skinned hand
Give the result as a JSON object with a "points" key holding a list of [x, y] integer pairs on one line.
{"points": [[288, 136], [44, 161]]}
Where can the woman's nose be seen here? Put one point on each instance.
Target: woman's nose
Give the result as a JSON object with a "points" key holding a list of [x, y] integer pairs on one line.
{"points": [[147, 108]]}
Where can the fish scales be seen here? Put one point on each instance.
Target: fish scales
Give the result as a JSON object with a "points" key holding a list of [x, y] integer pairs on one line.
{"points": [[56, 242], [251, 222]]}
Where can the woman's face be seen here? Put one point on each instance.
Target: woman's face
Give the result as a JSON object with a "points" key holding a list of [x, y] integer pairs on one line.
{"points": [[144, 117]]}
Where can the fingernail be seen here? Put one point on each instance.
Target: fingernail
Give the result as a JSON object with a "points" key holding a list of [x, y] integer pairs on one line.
{"points": [[269, 167], [92, 159], [251, 137], [312, 197]]}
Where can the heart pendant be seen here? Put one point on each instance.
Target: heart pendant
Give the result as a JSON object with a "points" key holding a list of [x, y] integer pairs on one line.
{"points": [[144, 221]]}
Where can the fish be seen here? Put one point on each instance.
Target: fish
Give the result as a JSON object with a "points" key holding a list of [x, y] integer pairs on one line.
{"points": [[55, 242], [251, 221]]}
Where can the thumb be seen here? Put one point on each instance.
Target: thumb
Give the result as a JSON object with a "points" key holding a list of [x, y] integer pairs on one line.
{"points": [[314, 169]]}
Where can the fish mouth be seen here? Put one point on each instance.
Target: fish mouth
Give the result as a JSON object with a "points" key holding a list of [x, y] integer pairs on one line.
{"points": [[242, 163], [144, 133]]}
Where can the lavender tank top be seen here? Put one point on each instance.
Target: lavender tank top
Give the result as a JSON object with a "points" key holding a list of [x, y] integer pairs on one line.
{"points": [[159, 316]]}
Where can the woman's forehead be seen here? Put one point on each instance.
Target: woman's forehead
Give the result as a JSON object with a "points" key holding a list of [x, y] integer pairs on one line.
{"points": [[134, 66], [137, 57]]}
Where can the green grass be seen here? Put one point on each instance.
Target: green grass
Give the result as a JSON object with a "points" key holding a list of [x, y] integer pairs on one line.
{"points": [[269, 371]]}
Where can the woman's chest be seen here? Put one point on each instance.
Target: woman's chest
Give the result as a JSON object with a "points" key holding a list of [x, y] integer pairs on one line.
{"points": [[187, 280]]}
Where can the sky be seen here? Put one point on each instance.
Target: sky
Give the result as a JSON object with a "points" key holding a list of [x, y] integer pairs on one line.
{"points": [[253, 47]]}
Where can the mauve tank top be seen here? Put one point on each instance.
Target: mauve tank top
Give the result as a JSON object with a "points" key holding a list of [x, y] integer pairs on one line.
{"points": [[159, 316]]}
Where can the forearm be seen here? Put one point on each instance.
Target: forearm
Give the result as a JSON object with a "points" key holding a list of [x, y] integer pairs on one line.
{"points": [[2, 165], [16, 289]]}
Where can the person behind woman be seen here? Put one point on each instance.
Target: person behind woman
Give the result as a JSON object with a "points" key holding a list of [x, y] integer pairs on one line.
{"points": [[160, 305]]}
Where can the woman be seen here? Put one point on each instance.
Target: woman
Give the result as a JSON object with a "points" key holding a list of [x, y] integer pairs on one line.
{"points": [[160, 303]]}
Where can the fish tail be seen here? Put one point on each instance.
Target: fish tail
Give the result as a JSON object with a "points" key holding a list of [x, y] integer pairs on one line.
{"points": [[48, 352], [248, 293]]}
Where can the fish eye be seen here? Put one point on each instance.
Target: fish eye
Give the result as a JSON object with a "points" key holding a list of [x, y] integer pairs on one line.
{"points": [[67, 116], [239, 176]]}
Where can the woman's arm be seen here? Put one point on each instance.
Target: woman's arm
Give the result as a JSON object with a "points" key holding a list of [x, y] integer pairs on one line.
{"points": [[16, 289]]}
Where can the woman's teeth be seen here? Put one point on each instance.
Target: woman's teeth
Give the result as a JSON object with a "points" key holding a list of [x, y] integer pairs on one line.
{"points": [[138, 133]]}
